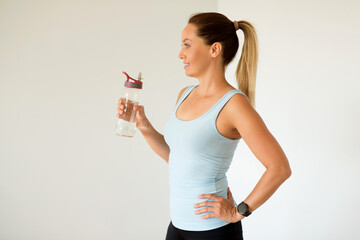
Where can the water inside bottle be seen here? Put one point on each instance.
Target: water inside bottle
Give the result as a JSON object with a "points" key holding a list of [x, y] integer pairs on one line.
{"points": [[126, 125], [129, 113], [125, 128]]}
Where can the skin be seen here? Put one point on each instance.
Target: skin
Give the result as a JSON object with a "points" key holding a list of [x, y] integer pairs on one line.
{"points": [[206, 65]]}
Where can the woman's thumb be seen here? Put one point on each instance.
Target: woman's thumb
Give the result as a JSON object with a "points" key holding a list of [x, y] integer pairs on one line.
{"points": [[136, 108], [139, 110]]}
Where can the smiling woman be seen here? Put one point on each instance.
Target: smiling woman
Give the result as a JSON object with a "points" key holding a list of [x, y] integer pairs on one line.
{"points": [[204, 129], [203, 132]]}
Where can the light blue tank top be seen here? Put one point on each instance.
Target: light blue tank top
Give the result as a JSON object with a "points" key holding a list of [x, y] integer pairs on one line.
{"points": [[199, 159]]}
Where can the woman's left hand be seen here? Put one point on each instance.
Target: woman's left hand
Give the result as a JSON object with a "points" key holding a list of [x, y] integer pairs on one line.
{"points": [[221, 208]]}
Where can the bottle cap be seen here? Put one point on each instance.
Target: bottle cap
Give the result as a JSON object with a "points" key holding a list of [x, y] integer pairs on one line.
{"points": [[136, 84]]}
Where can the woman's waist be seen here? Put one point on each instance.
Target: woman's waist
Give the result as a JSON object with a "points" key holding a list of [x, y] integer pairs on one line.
{"points": [[182, 206], [191, 189]]}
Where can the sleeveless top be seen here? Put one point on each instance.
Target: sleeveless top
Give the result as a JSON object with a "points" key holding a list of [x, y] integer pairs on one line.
{"points": [[199, 159]]}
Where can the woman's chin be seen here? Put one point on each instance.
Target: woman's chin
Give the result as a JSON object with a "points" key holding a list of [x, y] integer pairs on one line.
{"points": [[189, 74]]}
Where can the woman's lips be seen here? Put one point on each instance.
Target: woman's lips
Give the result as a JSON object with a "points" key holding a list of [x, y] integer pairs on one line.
{"points": [[186, 65]]}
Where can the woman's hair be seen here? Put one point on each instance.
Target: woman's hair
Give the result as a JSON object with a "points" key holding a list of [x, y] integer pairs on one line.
{"points": [[215, 27]]}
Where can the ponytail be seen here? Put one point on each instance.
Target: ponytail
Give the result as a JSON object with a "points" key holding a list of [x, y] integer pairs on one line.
{"points": [[246, 68]]}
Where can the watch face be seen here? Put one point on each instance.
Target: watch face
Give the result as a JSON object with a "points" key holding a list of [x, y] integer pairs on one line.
{"points": [[242, 208]]}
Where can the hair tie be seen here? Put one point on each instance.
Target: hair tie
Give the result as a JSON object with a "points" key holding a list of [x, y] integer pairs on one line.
{"points": [[236, 24]]}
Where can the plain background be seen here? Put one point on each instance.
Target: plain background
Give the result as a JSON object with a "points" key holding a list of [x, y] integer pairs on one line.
{"points": [[65, 174]]}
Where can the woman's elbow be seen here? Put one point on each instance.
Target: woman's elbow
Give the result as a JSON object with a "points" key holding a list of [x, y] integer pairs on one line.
{"points": [[286, 172], [281, 172]]}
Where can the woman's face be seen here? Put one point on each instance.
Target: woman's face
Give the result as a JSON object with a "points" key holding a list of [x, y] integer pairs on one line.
{"points": [[194, 53]]}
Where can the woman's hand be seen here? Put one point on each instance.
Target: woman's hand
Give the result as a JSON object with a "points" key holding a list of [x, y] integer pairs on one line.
{"points": [[142, 123], [222, 208]]}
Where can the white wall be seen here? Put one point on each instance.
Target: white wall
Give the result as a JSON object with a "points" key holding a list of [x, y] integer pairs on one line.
{"points": [[308, 95], [64, 173]]}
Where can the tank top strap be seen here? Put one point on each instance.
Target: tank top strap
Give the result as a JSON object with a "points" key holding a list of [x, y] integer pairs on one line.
{"points": [[184, 95], [221, 103]]}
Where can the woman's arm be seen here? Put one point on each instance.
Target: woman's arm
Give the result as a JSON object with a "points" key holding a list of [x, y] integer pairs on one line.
{"points": [[263, 145], [156, 142]]}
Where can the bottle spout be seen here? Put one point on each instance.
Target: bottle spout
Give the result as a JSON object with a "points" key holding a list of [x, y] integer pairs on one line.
{"points": [[128, 77], [135, 84]]}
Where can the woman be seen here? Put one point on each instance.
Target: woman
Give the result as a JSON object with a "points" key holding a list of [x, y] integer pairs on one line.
{"points": [[204, 129]]}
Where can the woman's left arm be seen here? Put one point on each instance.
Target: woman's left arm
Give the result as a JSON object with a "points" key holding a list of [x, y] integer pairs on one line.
{"points": [[264, 146]]}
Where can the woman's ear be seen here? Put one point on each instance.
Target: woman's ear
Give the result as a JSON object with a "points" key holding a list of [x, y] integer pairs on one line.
{"points": [[215, 49]]}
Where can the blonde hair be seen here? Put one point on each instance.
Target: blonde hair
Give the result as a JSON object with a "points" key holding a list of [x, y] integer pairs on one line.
{"points": [[247, 66]]}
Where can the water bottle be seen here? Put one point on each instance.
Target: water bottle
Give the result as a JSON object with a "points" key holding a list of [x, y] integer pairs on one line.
{"points": [[126, 125]]}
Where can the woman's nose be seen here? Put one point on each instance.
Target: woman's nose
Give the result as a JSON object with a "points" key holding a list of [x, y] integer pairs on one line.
{"points": [[181, 55]]}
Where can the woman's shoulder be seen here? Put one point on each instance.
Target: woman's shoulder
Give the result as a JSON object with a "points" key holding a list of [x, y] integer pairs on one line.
{"points": [[238, 101], [241, 113]]}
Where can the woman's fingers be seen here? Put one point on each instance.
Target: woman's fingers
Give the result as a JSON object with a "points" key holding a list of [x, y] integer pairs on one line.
{"points": [[125, 109], [120, 102], [121, 107]]}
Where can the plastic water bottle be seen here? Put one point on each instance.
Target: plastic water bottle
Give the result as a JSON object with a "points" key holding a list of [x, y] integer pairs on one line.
{"points": [[126, 124]]}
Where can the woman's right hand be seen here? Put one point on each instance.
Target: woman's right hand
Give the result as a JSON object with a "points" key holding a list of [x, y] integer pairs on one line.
{"points": [[142, 123]]}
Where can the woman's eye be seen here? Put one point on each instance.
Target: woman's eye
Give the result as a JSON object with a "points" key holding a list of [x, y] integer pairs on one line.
{"points": [[187, 45]]}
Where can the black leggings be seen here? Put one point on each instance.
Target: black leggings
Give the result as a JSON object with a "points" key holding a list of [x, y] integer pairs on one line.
{"points": [[231, 231]]}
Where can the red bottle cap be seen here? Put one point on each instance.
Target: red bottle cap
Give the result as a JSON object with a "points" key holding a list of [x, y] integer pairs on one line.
{"points": [[135, 84]]}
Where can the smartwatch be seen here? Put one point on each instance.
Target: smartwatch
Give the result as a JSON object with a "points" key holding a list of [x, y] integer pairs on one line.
{"points": [[243, 209]]}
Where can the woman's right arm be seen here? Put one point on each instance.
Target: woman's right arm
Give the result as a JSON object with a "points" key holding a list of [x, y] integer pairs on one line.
{"points": [[155, 139]]}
